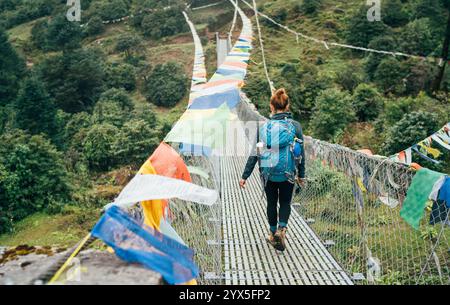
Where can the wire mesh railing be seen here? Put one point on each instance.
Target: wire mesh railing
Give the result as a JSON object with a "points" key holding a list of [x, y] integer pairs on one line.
{"points": [[352, 201]]}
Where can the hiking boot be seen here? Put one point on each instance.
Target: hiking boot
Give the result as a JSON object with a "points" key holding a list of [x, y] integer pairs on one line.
{"points": [[281, 235], [273, 240]]}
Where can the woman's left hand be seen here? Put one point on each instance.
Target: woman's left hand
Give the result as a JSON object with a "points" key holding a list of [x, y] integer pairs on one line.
{"points": [[301, 181]]}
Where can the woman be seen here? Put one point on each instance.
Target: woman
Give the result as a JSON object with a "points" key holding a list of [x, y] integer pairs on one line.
{"points": [[278, 188]]}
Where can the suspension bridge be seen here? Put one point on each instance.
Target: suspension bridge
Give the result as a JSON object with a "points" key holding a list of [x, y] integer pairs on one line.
{"points": [[345, 226]]}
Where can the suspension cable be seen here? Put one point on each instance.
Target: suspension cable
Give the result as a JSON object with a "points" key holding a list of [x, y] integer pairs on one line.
{"points": [[255, 9]]}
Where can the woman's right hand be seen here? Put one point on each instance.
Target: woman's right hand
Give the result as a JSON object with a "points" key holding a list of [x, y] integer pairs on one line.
{"points": [[242, 183]]}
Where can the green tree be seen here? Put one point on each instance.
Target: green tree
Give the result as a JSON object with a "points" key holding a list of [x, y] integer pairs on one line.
{"points": [[113, 9], [163, 23], [349, 77], [361, 31], [121, 76], [145, 112], [109, 112], [118, 96], [128, 44], [135, 142], [386, 43], [390, 75], [77, 121], [418, 37], [394, 13], [32, 176], [12, 67], [39, 36], [95, 26], [98, 146], [35, 111], [367, 102], [411, 129], [420, 76], [63, 34], [166, 85], [332, 113], [310, 7], [74, 79]]}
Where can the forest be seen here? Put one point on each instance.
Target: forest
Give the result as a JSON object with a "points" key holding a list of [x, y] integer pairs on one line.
{"points": [[83, 104]]}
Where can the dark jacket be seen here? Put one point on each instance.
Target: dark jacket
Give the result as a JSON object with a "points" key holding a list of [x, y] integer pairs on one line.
{"points": [[253, 159]]}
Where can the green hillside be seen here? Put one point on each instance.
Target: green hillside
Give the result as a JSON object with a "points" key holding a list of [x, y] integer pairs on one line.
{"points": [[79, 111]]}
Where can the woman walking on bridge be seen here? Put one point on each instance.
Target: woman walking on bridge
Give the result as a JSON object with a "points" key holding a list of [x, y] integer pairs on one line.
{"points": [[281, 160]]}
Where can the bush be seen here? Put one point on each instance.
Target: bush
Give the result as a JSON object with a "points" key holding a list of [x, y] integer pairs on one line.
{"points": [[95, 26], [417, 37], [394, 13], [74, 79], [128, 44], [118, 96], [349, 77], [113, 9], [12, 67], [166, 85], [331, 114], [98, 146], [390, 75], [367, 102], [32, 176], [411, 129], [420, 76], [303, 84], [109, 112], [77, 122], [63, 34], [35, 111], [39, 35], [145, 112], [163, 23], [310, 7], [385, 42], [361, 31], [121, 76], [135, 142]]}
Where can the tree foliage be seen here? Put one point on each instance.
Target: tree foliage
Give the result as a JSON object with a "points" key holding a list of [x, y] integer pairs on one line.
{"points": [[74, 79], [12, 67], [163, 23], [166, 85], [361, 31], [63, 34], [98, 146], [367, 102], [35, 111], [332, 112], [32, 177], [411, 129], [135, 142]]}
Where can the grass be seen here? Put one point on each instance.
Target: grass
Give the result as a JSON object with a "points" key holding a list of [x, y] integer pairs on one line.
{"points": [[62, 230]]}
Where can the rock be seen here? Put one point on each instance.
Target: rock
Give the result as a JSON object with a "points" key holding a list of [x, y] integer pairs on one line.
{"points": [[91, 267]]}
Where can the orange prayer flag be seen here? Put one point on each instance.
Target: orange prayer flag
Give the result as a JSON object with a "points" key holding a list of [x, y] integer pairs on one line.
{"points": [[167, 162]]}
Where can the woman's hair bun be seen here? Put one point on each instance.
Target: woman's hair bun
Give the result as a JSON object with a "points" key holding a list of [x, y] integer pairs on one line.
{"points": [[280, 99], [280, 92]]}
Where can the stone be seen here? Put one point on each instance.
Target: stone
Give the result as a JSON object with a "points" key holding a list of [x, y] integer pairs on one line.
{"points": [[91, 267]]}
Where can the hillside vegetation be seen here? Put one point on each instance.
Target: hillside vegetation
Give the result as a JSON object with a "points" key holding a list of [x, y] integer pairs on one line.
{"points": [[79, 111]]}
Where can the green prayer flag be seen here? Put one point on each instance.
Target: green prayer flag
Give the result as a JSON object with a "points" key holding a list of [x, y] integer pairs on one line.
{"points": [[209, 131], [194, 170], [417, 196]]}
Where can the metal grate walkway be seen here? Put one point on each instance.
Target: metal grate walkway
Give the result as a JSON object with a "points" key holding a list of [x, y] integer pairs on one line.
{"points": [[249, 259]]}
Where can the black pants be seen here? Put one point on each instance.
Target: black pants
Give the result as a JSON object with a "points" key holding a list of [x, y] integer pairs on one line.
{"points": [[282, 192]]}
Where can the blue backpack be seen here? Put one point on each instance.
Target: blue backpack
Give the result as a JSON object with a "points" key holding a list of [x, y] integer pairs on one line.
{"points": [[281, 152]]}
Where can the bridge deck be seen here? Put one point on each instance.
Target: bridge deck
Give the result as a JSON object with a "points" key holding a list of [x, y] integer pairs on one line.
{"points": [[249, 259]]}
